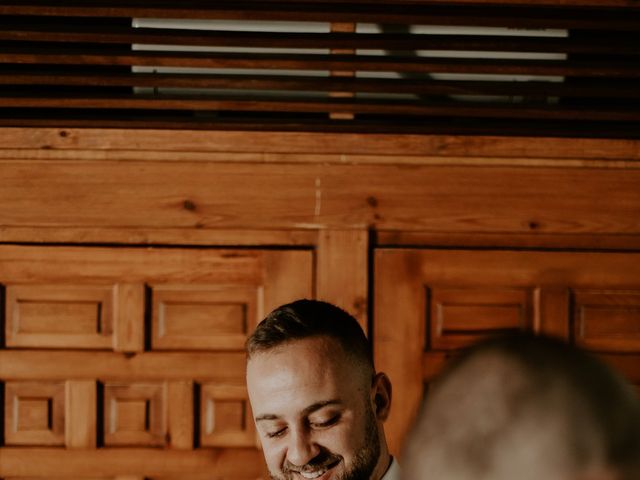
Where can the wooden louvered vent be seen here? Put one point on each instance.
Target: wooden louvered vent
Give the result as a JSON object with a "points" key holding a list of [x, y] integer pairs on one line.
{"points": [[565, 68]]}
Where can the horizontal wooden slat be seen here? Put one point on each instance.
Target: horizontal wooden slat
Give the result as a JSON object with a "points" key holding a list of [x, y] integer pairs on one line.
{"points": [[497, 240], [433, 198], [376, 63], [397, 107], [293, 147], [318, 123], [20, 264], [51, 45], [241, 463], [424, 86], [42, 32], [394, 12], [625, 4], [142, 236], [226, 368]]}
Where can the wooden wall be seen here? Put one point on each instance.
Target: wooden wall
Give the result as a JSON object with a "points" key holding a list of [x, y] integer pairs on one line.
{"points": [[133, 264]]}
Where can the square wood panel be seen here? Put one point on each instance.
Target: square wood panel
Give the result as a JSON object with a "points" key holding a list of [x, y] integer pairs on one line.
{"points": [[607, 320], [225, 417], [34, 413], [460, 317], [203, 317], [59, 316], [135, 414]]}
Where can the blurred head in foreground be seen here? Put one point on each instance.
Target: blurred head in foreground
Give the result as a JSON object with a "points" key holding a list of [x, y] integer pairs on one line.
{"points": [[525, 407]]}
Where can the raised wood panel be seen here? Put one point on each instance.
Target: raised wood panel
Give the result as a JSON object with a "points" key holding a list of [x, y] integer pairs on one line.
{"points": [[144, 393], [442, 199], [607, 320], [135, 414], [200, 317], [225, 417], [461, 317], [34, 413], [59, 316], [583, 296]]}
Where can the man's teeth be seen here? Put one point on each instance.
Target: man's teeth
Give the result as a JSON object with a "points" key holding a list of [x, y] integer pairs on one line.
{"points": [[315, 474]]}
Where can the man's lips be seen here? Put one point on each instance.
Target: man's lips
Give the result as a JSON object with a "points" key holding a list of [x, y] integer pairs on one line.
{"points": [[319, 472]]}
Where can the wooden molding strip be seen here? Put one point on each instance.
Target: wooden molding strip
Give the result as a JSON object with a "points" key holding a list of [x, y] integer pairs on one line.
{"points": [[241, 463], [342, 145]]}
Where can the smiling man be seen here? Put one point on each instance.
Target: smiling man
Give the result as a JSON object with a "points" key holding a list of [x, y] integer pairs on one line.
{"points": [[319, 405]]}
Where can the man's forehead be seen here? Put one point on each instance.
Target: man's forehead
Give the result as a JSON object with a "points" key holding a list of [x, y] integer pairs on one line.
{"points": [[296, 375]]}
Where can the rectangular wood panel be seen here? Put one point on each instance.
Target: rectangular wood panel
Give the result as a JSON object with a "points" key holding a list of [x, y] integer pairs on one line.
{"points": [[135, 414], [460, 317], [59, 316], [607, 320], [201, 317], [177, 322], [225, 417], [34, 413], [461, 296]]}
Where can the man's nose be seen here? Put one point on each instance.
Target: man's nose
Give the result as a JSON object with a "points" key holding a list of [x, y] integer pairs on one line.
{"points": [[301, 448]]}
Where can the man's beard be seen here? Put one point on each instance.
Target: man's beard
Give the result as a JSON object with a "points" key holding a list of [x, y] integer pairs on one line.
{"points": [[364, 462]]}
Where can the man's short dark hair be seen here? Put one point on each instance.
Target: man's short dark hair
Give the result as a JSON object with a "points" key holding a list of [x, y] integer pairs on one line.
{"points": [[310, 318]]}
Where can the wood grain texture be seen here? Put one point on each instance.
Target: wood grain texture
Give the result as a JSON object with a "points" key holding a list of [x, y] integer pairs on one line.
{"points": [[43, 140], [67, 315], [559, 284], [399, 337], [219, 463], [343, 271], [288, 277], [151, 236], [40, 365], [438, 199], [203, 317], [81, 414], [128, 300], [100, 265], [180, 414], [551, 311]]}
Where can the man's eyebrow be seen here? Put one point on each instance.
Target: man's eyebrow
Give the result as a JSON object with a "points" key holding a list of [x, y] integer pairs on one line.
{"points": [[318, 405], [310, 409], [267, 416]]}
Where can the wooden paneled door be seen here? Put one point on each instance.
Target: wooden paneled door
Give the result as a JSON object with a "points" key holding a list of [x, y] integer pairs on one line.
{"points": [[128, 363], [430, 303]]}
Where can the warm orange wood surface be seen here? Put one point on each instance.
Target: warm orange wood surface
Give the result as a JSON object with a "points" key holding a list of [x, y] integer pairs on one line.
{"points": [[431, 303], [134, 263], [433, 198]]}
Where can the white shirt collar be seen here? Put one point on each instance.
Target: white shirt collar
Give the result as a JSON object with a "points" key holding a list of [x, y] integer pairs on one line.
{"points": [[393, 473]]}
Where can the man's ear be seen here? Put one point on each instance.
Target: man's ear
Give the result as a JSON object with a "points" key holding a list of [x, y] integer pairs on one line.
{"points": [[381, 396]]}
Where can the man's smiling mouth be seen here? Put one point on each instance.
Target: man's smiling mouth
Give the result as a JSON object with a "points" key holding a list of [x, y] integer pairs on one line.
{"points": [[318, 472]]}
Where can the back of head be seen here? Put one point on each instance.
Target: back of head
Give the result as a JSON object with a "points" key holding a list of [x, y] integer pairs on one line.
{"points": [[526, 407], [311, 318]]}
